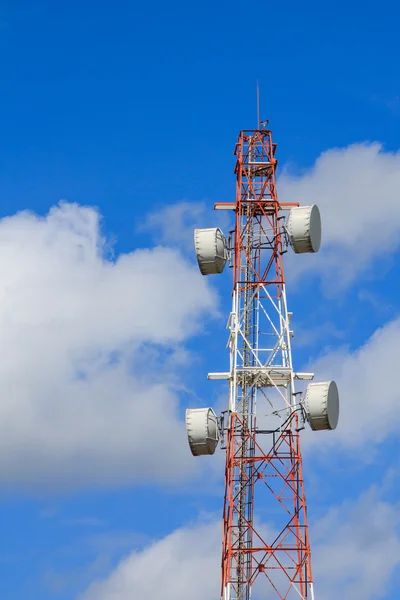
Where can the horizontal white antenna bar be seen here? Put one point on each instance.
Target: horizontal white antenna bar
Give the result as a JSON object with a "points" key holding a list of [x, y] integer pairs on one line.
{"points": [[218, 376], [304, 376], [275, 373], [225, 206]]}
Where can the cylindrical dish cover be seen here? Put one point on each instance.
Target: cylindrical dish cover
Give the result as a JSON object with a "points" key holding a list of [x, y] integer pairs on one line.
{"points": [[211, 251], [202, 430], [322, 405], [304, 228]]}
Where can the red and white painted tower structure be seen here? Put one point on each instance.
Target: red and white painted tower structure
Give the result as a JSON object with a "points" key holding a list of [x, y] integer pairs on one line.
{"points": [[265, 531]]}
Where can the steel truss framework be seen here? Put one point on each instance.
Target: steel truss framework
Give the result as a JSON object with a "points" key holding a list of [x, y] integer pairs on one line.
{"points": [[264, 478]]}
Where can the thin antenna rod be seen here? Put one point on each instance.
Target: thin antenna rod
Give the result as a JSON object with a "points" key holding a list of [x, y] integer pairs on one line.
{"points": [[258, 104]]}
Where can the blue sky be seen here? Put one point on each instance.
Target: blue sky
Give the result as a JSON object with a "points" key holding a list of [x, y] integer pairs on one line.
{"points": [[131, 111]]}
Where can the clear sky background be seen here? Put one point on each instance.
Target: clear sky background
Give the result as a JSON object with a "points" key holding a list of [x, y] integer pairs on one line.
{"points": [[128, 113]]}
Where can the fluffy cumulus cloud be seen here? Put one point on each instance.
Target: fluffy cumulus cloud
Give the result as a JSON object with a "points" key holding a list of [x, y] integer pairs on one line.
{"points": [[355, 552], [185, 564], [357, 549], [173, 224], [369, 400], [88, 351], [356, 189]]}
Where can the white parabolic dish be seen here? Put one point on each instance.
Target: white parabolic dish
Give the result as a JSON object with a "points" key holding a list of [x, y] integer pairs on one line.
{"points": [[304, 228], [211, 251], [202, 430], [322, 405]]}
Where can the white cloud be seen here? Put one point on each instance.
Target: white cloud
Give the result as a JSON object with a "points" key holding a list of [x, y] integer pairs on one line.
{"points": [[369, 397], [174, 224], [185, 564], [355, 551], [89, 353], [356, 189]]}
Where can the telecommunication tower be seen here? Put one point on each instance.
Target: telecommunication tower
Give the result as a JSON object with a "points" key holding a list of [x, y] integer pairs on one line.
{"points": [[265, 532]]}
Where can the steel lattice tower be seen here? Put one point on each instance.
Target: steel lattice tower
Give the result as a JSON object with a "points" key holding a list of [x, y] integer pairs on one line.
{"points": [[265, 533], [260, 351]]}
